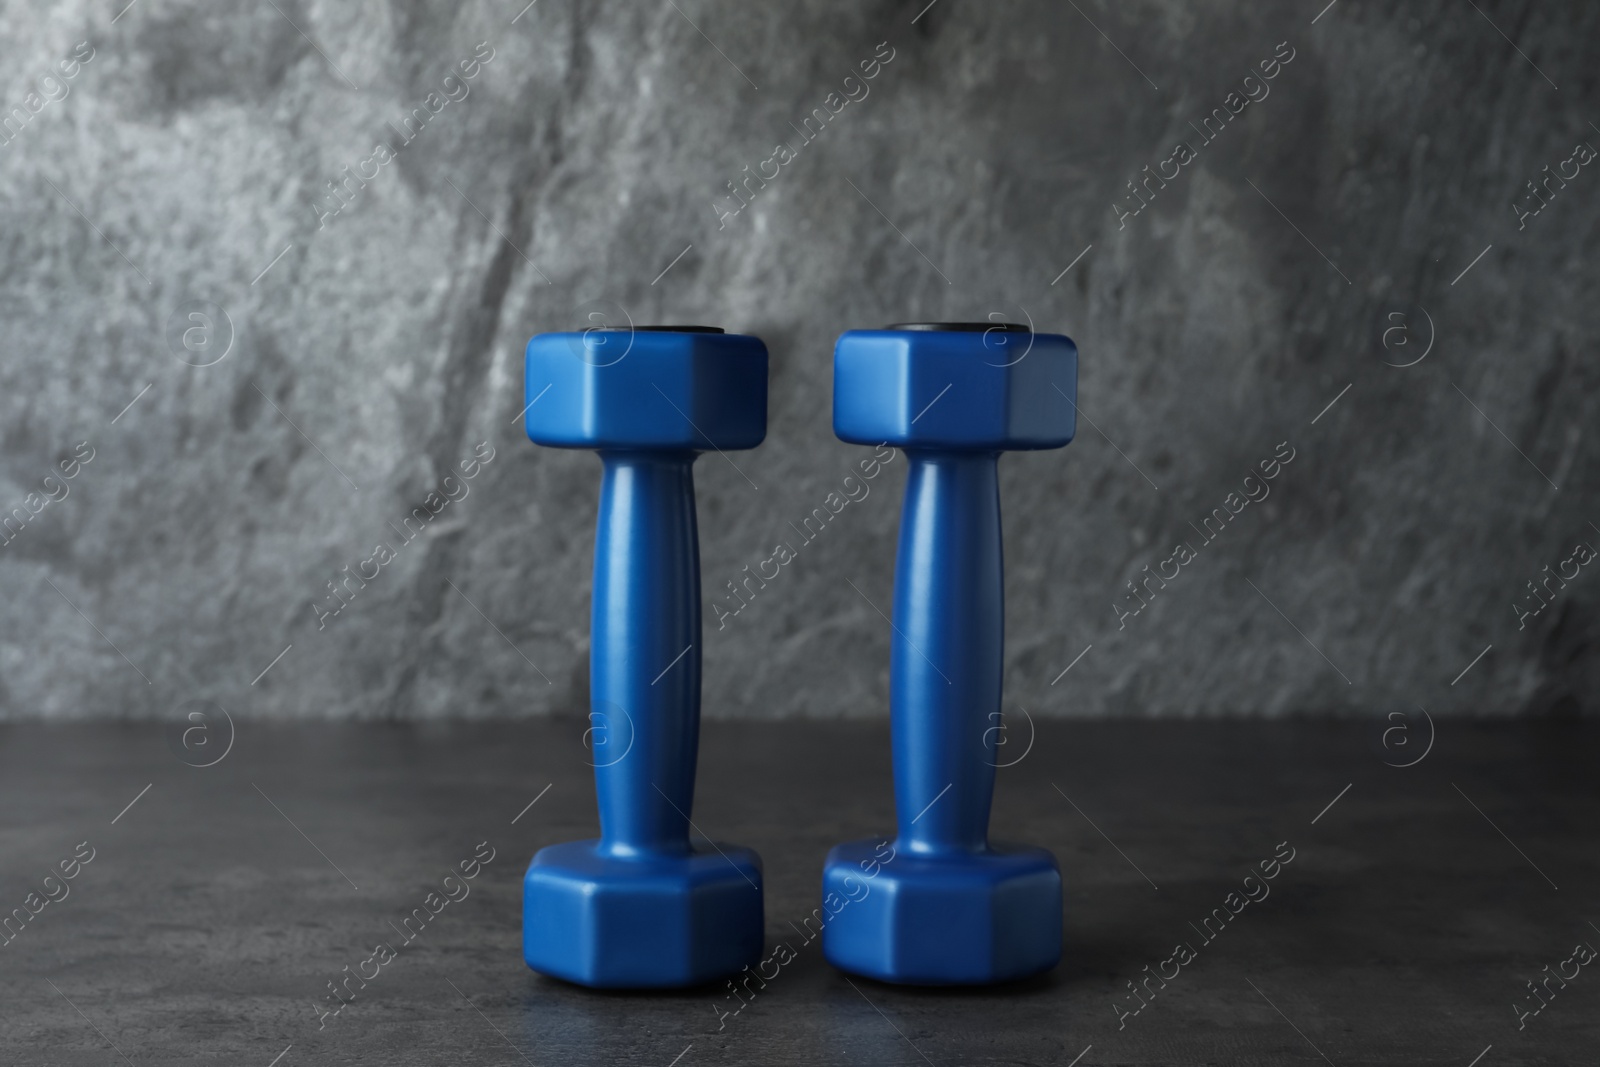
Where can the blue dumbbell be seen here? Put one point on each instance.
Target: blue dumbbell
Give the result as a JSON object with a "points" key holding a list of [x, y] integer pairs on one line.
{"points": [[644, 906], [945, 905]]}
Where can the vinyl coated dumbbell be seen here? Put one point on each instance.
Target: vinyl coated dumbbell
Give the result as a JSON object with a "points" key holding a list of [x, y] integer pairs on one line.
{"points": [[948, 906], [644, 906]]}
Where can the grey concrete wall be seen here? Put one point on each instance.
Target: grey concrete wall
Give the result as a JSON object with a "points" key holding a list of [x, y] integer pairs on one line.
{"points": [[1357, 213]]}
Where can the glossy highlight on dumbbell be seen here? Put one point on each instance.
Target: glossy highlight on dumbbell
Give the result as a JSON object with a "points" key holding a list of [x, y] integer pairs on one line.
{"points": [[952, 907], [644, 905]]}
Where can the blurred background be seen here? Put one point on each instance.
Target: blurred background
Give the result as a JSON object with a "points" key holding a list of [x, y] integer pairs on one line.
{"points": [[268, 270]]}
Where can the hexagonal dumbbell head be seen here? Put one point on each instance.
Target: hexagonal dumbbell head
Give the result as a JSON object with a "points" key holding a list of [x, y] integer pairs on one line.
{"points": [[647, 387], [642, 921], [955, 385], [942, 920]]}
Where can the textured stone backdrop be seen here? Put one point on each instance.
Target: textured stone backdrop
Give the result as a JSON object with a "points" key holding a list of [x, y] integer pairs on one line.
{"points": [[183, 167]]}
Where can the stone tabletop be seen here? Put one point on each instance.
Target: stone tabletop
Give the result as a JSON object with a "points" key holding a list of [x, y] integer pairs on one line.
{"points": [[1395, 914]]}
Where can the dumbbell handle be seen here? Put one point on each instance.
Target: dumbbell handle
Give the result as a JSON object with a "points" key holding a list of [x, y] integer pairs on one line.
{"points": [[945, 663], [644, 655]]}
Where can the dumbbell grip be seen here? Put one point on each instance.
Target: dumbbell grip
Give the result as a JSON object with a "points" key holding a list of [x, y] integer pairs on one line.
{"points": [[644, 685], [948, 641]]}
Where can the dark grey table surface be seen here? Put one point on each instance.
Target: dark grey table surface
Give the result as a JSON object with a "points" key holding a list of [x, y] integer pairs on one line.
{"points": [[219, 905]]}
